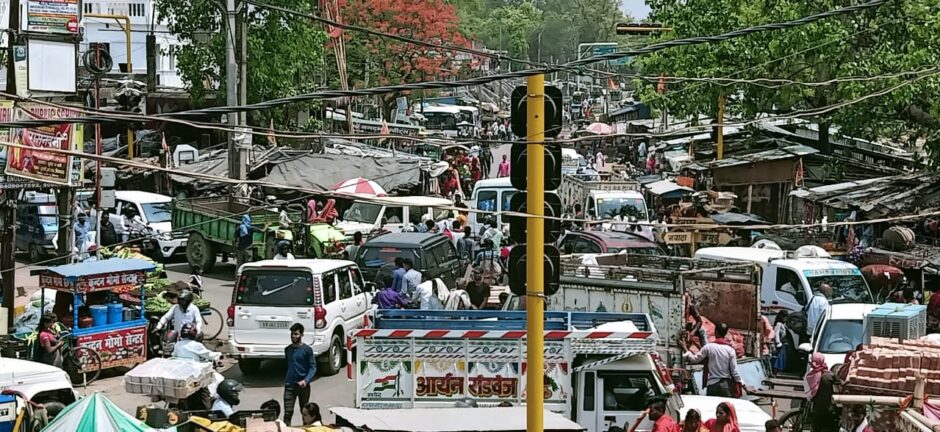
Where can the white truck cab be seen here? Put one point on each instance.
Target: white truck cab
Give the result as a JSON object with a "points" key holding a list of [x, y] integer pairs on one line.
{"points": [[789, 281], [156, 212], [392, 213], [600, 368], [490, 195], [328, 297], [37, 382]]}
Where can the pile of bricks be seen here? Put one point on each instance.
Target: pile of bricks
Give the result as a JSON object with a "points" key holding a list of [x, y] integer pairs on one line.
{"points": [[889, 365]]}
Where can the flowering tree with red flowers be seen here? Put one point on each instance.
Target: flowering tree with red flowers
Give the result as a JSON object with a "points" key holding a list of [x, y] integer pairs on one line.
{"points": [[376, 60]]}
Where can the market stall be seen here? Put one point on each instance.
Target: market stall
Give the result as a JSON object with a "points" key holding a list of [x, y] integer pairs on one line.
{"points": [[102, 333]]}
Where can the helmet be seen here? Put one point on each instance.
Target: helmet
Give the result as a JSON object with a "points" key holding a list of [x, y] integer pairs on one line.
{"points": [[228, 391], [188, 331], [283, 247], [186, 296]]}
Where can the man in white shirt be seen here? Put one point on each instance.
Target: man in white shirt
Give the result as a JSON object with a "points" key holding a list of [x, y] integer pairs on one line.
{"points": [[427, 294], [722, 363], [181, 313], [227, 400], [283, 251], [189, 348], [817, 307]]}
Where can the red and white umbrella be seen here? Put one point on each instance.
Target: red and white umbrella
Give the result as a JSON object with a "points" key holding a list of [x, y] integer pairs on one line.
{"points": [[600, 129], [360, 186]]}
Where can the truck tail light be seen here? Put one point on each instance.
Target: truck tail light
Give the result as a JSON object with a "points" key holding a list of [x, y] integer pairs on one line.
{"points": [[231, 315], [319, 317]]}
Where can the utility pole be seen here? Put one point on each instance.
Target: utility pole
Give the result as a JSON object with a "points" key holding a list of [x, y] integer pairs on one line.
{"points": [[535, 244], [242, 25], [231, 91], [721, 132], [8, 208]]}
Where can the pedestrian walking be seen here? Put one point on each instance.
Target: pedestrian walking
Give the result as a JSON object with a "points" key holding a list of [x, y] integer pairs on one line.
{"points": [[301, 368], [656, 411], [108, 233], [693, 422], [817, 307], [820, 386], [352, 250], [721, 366], [504, 167]]}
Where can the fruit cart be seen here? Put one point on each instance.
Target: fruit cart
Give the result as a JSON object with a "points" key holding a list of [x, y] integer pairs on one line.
{"points": [[102, 333]]}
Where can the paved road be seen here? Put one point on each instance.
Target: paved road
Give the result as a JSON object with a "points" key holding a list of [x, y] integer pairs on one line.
{"points": [[326, 391]]}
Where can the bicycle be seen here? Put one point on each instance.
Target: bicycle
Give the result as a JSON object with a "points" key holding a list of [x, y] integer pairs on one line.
{"points": [[212, 320]]}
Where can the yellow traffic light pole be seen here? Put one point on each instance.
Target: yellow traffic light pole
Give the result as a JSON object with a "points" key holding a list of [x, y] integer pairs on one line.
{"points": [[535, 247]]}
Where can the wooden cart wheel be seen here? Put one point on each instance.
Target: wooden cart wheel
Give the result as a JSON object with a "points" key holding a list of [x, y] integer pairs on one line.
{"points": [[79, 359], [200, 251]]}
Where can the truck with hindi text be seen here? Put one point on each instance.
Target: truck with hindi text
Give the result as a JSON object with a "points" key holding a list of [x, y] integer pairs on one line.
{"points": [[600, 369]]}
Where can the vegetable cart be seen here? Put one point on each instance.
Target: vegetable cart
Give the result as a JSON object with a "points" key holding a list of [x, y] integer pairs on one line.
{"points": [[102, 334]]}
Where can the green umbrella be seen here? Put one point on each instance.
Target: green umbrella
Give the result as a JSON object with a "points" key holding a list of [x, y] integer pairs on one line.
{"points": [[95, 413]]}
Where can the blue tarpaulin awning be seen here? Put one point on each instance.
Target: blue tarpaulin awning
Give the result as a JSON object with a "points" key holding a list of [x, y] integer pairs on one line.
{"points": [[72, 272]]}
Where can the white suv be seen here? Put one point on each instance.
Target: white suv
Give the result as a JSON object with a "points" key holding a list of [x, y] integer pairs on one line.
{"points": [[327, 296]]}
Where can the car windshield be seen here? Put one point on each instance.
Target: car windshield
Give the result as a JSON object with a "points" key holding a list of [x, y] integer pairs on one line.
{"points": [[275, 287], [377, 257], [840, 336], [440, 121], [47, 218], [846, 288], [607, 208], [158, 212], [362, 212]]}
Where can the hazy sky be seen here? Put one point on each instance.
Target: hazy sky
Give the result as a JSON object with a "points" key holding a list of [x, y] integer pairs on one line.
{"points": [[636, 8]]}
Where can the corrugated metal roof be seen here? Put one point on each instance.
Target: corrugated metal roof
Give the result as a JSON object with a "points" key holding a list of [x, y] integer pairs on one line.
{"points": [[788, 152]]}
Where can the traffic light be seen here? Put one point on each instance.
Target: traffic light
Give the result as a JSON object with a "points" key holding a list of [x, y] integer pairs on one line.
{"points": [[518, 176], [517, 264], [553, 109], [640, 28], [552, 209]]}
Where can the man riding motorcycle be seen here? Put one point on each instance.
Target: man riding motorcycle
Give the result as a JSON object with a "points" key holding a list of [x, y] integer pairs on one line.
{"points": [[227, 399], [189, 348], [182, 313]]}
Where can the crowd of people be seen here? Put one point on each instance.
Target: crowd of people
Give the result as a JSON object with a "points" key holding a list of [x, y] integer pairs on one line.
{"points": [[465, 168]]}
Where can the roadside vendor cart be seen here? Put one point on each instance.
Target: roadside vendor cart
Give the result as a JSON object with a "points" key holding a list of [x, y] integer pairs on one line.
{"points": [[101, 333]]}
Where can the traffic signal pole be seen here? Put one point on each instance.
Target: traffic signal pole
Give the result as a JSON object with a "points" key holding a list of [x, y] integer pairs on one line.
{"points": [[535, 243]]}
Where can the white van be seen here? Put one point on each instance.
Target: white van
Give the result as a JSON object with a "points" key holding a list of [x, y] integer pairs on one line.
{"points": [[156, 211], [789, 281], [490, 195], [394, 213], [328, 297]]}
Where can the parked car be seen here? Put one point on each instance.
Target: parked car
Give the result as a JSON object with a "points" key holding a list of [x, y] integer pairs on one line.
{"points": [[578, 242], [37, 225], [156, 212], [434, 255], [327, 296]]}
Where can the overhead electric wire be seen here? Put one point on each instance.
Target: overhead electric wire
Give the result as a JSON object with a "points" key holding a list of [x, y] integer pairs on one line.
{"points": [[431, 85]]}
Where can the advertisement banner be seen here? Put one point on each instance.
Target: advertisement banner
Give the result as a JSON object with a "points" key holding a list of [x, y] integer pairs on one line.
{"points": [[52, 16], [557, 375], [34, 163], [119, 347]]}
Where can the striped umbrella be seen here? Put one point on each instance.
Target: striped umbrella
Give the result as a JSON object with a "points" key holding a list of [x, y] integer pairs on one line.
{"points": [[95, 413], [360, 186]]}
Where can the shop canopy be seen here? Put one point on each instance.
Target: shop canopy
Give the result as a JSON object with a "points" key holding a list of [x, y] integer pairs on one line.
{"points": [[95, 275], [95, 413]]}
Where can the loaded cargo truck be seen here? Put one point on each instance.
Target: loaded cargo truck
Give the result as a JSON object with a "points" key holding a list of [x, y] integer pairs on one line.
{"points": [[600, 369], [586, 192], [211, 224]]}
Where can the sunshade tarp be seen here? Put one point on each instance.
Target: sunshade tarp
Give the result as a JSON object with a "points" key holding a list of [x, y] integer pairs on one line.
{"points": [[95, 413], [113, 265], [320, 171]]}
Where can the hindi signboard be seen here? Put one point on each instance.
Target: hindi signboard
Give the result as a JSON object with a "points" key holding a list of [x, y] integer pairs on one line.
{"points": [[32, 162], [53, 16], [122, 347]]}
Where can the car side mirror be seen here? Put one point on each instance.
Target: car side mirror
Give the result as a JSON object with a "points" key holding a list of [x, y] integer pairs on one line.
{"points": [[369, 287], [805, 348]]}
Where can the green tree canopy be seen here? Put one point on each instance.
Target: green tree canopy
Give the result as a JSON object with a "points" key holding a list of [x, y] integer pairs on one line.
{"points": [[898, 36]]}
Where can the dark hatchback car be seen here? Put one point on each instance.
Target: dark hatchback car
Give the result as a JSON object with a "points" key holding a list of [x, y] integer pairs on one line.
{"points": [[434, 255], [580, 242]]}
